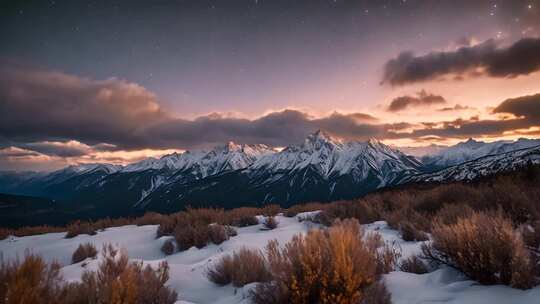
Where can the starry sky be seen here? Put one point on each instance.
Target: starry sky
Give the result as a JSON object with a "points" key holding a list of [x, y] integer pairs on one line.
{"points": [[115, 81]]}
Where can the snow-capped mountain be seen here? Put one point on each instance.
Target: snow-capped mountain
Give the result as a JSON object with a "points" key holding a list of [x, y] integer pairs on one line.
{"points": [[331, 158], [484, 166], [321, 168], [472, 149], [137, 181], [227, 157]]}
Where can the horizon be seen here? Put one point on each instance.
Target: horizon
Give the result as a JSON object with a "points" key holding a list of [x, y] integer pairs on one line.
{"points": [[119, 81], [414, 151]]}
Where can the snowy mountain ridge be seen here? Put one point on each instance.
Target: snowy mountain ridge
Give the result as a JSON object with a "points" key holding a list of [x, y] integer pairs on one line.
{"points": [[483, 166], [472, 149], [321, 168]]}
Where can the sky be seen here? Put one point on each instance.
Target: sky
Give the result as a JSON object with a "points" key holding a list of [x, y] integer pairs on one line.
{"points": [[117, 81]]}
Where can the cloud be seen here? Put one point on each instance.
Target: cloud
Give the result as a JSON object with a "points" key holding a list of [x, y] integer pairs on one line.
{"points": [[457, 107], [57, 118], [70, 148], [524, 106], [66, 115], [484, 59], [422, 98], [14, 152], [38, 105]]}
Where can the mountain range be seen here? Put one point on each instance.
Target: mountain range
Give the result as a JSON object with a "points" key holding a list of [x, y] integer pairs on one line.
{"points": [[322, 168]]}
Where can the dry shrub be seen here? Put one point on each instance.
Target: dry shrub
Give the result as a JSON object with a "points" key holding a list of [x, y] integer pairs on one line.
{"points": [[149, 218], [514, 198], [119, 281], [397, 218], [168, 247], [270, 223], [531, 235], [30, 281], [294, 210], [221, 272], [432, 200], [271, 210], [242, 217], [84, 251], [485, 247], [218, 234], [359, 209], [79, 227], [377, 293], [450, 213], [231, 231], [200, 219], [413, 264], [335, 265], [201, 234], [244, 221], [29, 230], [243, 267], [410, 233], [189, 236]]}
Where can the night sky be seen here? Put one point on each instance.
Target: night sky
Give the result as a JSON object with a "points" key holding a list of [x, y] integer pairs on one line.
{"points": [[114, 81]]}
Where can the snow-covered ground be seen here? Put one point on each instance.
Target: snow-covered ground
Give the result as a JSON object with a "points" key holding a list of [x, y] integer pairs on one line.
{"points": [[187, 268]]}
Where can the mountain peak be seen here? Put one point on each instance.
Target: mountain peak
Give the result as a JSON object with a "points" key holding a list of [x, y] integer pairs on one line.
{"points": [[374, 141], [470, 143], [321, 136]]}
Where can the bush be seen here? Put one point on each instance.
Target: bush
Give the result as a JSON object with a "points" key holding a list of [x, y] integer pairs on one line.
{"points": [[270, 223], [30, 281], [29, 230], [244, 221], [358, 209], [221, 272], [243, 267], [335, 265], [199, 235], [294, 210], [410, 233], [271, 210], [83, 252], [118, 281], [413, 264], [531, 235], [189, 236], [79, 227], [450, 213], [485, 247], [219, 234], [168, 247]]}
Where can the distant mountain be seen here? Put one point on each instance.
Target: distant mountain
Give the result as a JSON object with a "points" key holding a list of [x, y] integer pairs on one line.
{"points": [[321, 168], [135, 182], [472, 149], [480, 167]]}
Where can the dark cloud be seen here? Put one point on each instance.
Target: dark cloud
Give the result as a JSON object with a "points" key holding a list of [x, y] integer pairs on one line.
{"points": [[38, 105], [524, 106], [47, 111], [50, 114], [457, 107], [277, 128], [62, 149], [14, 152], [520, 58], [422, 98]]}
